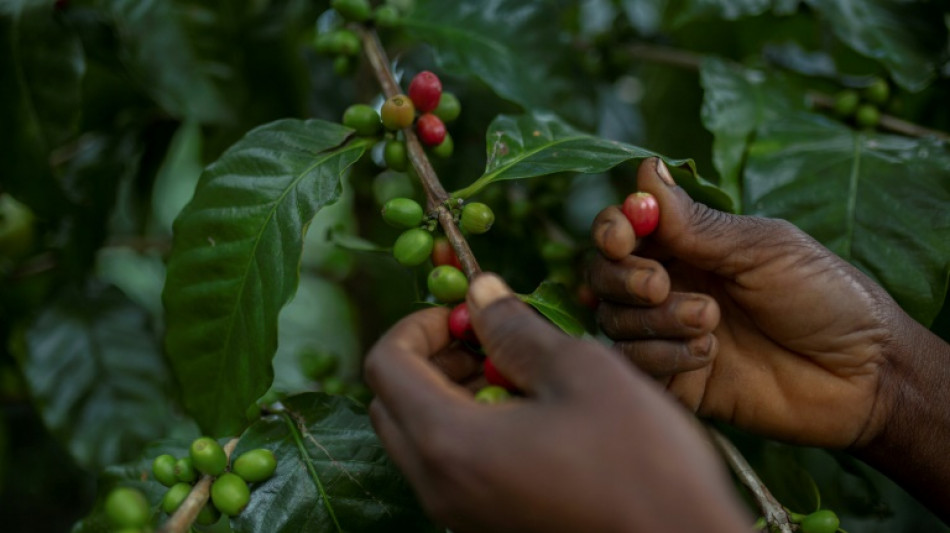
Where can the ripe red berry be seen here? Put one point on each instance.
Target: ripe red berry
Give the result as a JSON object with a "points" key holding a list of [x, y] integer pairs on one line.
{"points": [[425, 90], [494, 377], [460, 324], [643, 212], [430, 129], [443, 254]]}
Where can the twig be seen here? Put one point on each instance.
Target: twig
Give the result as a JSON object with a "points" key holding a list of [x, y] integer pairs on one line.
{"points": [[774, 513], [436, 197], [184, 517], [692, 61]]}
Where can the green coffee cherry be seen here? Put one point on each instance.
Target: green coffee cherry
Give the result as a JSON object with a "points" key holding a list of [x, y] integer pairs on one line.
{"points": [[395, 155], [255, 465], [823, 521], [209, 514], [449, 107], [185, 471], [867, 116], [345, 42], [477, 218], [878, 92], [413, 247], [492, 394], [207, 456], [362, 118], [343, 66], [403, 213], [323, 43], [391, 184], [447, 283], [444, 150], [333, 385], [127, 507], [386, 16], [175, 495], [354, 10], [846, 103], [317, 364], [163, 468], [230, 494]]}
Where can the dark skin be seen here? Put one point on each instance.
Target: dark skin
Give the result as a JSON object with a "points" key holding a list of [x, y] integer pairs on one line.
{"points": [[743, 319]]}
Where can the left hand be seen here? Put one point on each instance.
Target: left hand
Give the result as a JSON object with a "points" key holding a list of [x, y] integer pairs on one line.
{"points": [[593, 446]]}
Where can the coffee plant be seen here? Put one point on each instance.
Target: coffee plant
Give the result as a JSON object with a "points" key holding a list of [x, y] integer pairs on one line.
{"points": [[205, 222]]}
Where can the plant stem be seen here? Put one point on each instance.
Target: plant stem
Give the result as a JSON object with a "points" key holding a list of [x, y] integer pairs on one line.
{"points": [[692, 61], [436, 197], [184, 517], [772, 510]]}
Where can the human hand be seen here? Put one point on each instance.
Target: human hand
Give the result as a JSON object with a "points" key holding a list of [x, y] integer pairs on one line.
{"points": [[747, 320], [593, 446]]}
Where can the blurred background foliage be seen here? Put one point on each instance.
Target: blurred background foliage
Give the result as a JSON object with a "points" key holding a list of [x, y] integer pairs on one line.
{"points": [[112, 108]]}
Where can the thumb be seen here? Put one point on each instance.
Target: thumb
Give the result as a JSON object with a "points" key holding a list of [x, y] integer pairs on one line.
{"points": [[706, 238], [524, 347]]}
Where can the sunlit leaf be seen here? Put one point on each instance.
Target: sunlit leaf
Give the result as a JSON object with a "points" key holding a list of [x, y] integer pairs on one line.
{"points": [[553, 301]]}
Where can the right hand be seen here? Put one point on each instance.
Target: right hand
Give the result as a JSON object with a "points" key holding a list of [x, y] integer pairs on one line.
{"points": [[748, 320]]}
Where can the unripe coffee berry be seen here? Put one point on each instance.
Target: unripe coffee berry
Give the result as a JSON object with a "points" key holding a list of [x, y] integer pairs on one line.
{"points": [[398, 112], [846, 103], [492, 394], [823, 521], [447, 283], [878, 92], [163, 468], [477, 218], [209, 514], [449, 107], [207, 456], [403, 213], [413, 247], [255, 465], [430, 129], [230, 494], [643, 212], [460, 324], [445, 148], [127, 507], [395, 155], [425, 89], [494, 377], [362, 118], [175, 495], [444, 254], [185, 471], [386, 16], [867, 116], [345, 42], [354, 10], [343, 65]]}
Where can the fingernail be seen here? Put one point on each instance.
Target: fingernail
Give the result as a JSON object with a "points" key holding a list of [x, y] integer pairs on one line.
{"points": [[690, 313], [664, 173], [486, 290], [640, 284], [703, 346]]}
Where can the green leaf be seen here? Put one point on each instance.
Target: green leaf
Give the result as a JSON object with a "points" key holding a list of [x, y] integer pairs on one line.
{"points": [[332, 473], [525, 146], [97, 376], [735, 102], [879, 201], [510, 45], [235, 260], [553, 301], [901, 35]]}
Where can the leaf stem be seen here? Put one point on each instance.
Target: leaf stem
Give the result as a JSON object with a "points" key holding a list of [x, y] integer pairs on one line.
{"points": [[436, 197], [773, 511], [184, 517]]}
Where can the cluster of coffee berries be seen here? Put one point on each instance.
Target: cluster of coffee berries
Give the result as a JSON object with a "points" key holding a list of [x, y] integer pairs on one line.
{"points": [[345, 45], [863, 107], [229, 491]]}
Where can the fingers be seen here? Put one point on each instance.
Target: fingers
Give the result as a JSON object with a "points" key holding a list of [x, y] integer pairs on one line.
{"points": [[399, 371], [524, 347], [661, 358], [682, 315], [612, 233], [704, 237], [629, 280]]}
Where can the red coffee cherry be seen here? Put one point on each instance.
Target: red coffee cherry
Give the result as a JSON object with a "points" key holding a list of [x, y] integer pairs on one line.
{"points": [[460, 324], [643, 212], [430, 129], [494, 377], [398, 112], [443, 254], [425, 90]]}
